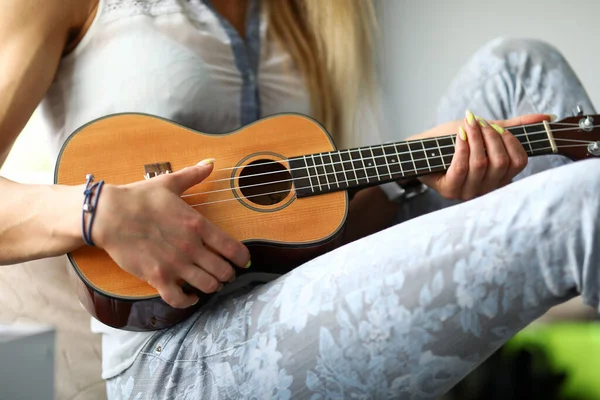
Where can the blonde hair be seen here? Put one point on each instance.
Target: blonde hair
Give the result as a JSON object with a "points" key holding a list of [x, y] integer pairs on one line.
{"points": [[330, 42]]}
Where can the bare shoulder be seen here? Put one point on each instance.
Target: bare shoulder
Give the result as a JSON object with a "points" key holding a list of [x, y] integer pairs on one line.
{"points": [[34, 34], [62, 18]]}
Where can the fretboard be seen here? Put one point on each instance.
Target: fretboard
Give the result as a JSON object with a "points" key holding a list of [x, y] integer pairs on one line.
{"points": [[320, 173]]}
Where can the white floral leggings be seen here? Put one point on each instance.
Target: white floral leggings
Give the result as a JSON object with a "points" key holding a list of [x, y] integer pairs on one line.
{"points": [[410, 311]]}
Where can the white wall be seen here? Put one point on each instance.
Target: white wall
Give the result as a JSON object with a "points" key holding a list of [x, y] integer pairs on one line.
{"points": [[426, 42]]}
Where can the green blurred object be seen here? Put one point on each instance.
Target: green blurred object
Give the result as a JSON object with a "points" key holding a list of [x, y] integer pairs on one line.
{"points": [[569, 348]]}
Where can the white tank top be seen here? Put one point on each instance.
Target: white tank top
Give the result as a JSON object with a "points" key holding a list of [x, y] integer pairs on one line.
{"points": [[178, 60]]}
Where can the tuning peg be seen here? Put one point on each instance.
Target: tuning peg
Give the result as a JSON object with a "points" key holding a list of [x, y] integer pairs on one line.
{"points": [[587, 124], [578, 111]]}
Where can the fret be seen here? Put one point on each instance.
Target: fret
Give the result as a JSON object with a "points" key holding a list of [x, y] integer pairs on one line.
{"points": [[318, 171], [368, 163], [418, 156], [375, 163], [383, 168], [439, 152], [382, 162], [325, 173], [526, 136], [539, 143], [301, 176], [330, 168], [358, 165], [425, 154], [535, 141], [392, 161], [447, 145], [340, 172], [348, 167], [312, 188], [406, 162], [433, 154]]}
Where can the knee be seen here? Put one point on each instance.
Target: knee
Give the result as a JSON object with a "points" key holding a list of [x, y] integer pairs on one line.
{"points": [[585, 175], [511, 51]]}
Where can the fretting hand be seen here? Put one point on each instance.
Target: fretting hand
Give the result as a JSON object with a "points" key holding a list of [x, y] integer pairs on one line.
{"points": [[152, 233], [487, 156]]}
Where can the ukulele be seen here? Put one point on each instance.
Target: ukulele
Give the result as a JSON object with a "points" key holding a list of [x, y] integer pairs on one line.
{"points": [[279, 186]]}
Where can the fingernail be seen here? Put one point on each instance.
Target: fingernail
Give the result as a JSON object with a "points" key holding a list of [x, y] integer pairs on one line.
{"points": [[470, 117], [232, 279], [497, 128], [196, 302], [220, 287], [248, 264], [208, 161], [481, 122], [552, 117], [462, 134]]}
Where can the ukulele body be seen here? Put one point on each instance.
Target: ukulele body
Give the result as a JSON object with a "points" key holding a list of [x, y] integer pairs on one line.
{"points": [[250, 195]]}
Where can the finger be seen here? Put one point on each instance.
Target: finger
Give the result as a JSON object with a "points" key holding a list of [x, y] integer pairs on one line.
{"points": [[174, 296], [215, 265], [184, 179], [449, 185], [516, 153], [498, 159], [435, 181], [477, 158], [200, 279], [225, 245]]}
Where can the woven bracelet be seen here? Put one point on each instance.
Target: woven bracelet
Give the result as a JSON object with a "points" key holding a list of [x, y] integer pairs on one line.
{"points": [[90, 203]]}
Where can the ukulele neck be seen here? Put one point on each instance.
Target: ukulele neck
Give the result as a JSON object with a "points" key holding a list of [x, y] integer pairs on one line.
{"points": [[357, 168]]}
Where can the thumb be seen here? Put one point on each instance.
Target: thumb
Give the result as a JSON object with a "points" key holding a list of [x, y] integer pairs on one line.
{"points": [[184, 179], [525, 120]]}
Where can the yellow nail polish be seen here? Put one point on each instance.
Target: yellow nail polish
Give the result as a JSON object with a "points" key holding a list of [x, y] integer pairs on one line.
{"points": [[481, 122], [248, 265], [462, 134], [470, 117], [208, 161], [498, 128], [552, 117]]}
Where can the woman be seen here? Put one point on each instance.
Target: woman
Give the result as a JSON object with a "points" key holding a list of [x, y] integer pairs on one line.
{"points": [[406, 312]]}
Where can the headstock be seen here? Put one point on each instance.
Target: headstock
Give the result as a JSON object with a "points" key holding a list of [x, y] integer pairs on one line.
{"points": [[577, 137]]}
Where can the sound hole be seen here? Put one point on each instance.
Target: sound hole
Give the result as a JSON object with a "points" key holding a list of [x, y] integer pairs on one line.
{"points": [[265, 182]]}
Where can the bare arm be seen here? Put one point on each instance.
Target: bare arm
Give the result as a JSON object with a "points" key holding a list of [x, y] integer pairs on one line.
{"points": [[38, 221], [33, 34], [166, 240], [35, 221]]}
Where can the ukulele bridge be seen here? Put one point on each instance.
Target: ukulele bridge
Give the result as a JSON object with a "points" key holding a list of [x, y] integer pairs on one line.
{"points": [[156, 169]]}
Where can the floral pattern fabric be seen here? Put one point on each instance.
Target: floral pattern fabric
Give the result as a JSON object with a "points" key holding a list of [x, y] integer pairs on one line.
{"points": [[408, 312]]}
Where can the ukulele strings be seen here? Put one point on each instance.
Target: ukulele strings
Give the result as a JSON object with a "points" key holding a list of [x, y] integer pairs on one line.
{"points": [[326, 174], [423, 141], [308, 187], [526, 134]]}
